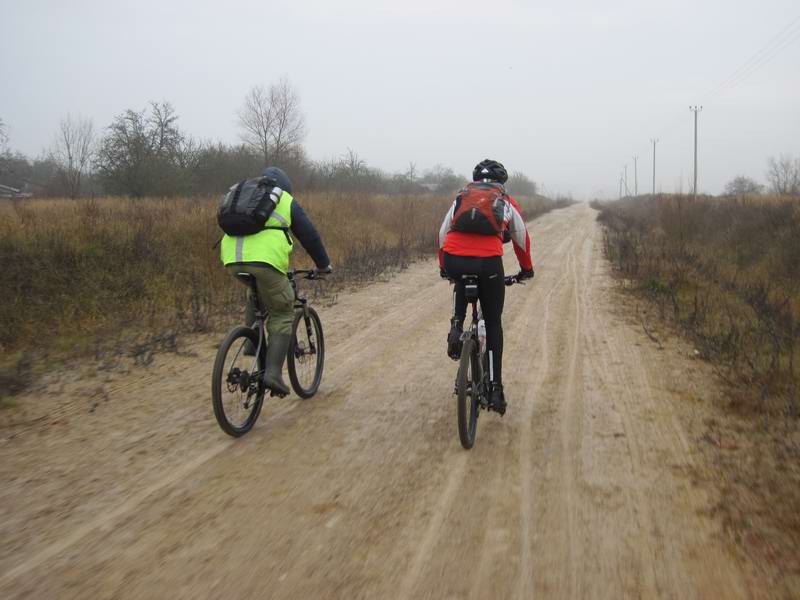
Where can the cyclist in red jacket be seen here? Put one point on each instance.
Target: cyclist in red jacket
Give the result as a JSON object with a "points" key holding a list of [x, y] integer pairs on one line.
{"points": [[462, 253]]}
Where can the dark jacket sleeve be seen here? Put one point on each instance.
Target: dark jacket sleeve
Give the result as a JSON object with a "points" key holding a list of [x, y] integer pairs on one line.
{"points": [[305, 232]]}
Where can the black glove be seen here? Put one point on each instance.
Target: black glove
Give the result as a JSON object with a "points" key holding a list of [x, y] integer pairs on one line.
{"points": [[443, 273], [506, 236], [523, 274], [324, 271]]}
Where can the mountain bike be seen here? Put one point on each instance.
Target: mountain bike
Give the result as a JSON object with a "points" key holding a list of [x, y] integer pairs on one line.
{"points": [[472, 379], [237, 387]]}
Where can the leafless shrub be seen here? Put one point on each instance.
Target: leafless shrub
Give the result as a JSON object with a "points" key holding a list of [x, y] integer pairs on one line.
{"points": [[743, 186], [143, 351], [15, 374], [725, 271], [783, 174]]}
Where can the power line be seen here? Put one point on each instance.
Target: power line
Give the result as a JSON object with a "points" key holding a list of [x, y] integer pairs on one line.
{"points": [[778, 42], [763, 55], [763, 62], [785, 37]]}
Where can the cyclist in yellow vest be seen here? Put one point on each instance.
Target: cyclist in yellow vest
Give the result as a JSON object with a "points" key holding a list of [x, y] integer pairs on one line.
{"points": [[265, 255]]}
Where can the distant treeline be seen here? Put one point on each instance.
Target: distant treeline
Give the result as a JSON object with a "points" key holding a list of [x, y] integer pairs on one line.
{"points": [[212, 167], [145, 153]]}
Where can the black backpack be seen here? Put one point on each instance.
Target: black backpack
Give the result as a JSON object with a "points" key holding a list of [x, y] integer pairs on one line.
{"points": [[247, 206]]}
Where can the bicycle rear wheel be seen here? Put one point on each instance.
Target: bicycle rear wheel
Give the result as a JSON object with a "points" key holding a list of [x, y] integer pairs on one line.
{"points": [[467, 396], [237, 391], [306, 353]]}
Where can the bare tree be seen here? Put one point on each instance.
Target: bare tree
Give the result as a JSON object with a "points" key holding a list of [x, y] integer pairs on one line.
{"points": [[145, 153], [256, 118], [72, 152], [166, 139], [784, 175], [520, 184], [444, 178], [742, 186], [352, 164], [289, 124], [271, 120], [411, 172]]}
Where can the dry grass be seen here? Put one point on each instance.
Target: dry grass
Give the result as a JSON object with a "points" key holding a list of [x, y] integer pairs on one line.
{"points": [[727, 273], [79, 276]]}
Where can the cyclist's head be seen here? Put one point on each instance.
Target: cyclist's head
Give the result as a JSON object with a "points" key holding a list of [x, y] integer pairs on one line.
{"points": [[280, 176], [491, 170]]}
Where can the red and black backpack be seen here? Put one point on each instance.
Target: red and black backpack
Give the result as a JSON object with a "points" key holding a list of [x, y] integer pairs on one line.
{"points": [[480, 208]]}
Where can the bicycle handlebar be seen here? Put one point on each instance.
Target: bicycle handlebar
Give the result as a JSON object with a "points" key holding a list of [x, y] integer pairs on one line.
{"points": [[310, 273], [509, 280]]}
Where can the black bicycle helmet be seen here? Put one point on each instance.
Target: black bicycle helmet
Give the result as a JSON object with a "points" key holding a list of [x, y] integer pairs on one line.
{"points": [[280, 176], [490, 169]]}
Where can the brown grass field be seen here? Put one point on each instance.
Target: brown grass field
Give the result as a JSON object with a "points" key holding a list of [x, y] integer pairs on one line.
{"points": [[79, 276], [726, 273]]}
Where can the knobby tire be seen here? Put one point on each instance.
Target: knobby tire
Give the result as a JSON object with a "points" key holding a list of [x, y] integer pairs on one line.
{"points": [[232, 343], [467, 403], [301, 321]]}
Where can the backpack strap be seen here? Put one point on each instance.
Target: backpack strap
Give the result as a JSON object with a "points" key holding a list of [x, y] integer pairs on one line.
{"points": [[285, 231], [237, 193]]}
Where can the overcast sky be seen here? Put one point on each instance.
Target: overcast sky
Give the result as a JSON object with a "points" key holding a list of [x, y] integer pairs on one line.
{"points": [[565, 91]]}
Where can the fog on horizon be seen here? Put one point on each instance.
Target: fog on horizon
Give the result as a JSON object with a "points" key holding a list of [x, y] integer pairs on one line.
{"points": [[567, 92]]}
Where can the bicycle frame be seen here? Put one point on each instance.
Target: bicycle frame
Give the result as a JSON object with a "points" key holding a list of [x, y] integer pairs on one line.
{"points": [[481, 378], [474, 376], [260, 313]]}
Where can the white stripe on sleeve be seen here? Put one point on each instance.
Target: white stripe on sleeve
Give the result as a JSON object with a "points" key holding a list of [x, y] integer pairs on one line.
{"points": [[446, 225], [516, 227]]}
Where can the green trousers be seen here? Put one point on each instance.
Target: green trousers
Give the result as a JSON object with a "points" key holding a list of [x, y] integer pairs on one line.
{"points": [[276, 295]]}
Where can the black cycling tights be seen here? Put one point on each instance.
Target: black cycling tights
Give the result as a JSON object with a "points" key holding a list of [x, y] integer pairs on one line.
{"points": [[492, 294]]}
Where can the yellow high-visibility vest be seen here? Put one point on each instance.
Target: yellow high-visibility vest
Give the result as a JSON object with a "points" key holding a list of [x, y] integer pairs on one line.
{"points": [[271, 246]]}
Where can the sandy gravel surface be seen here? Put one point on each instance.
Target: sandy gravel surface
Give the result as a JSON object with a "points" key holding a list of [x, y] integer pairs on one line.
{"points": [[587, 487]]}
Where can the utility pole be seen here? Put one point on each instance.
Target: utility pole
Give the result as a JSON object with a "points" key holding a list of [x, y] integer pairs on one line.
{"points": [[635, 176], [695, 110], [654, 140], [627, 193]]}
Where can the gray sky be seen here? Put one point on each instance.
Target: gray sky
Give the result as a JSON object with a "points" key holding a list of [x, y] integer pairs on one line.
{"points": [[566, 91]]}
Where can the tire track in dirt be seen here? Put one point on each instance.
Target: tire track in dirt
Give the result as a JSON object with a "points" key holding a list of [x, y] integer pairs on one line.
{"points": [[107, 519], [355, 346], [542, 361], [364, 491], [525, 307], [434, 526], [456, 479]]}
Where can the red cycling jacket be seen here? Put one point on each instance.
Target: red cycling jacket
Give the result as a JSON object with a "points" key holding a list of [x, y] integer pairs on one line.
{"points": [[476, 244]]}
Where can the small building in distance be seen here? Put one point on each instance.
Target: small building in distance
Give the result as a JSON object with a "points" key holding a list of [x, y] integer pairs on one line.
{"points": [[6, 191]]}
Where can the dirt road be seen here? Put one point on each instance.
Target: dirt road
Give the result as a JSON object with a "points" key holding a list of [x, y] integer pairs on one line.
{"points": [[583, 490]]}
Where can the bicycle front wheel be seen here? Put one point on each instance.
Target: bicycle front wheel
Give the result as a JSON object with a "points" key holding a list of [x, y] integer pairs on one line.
{"points": [[306, 353], [237, 391], [467, 393]]}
